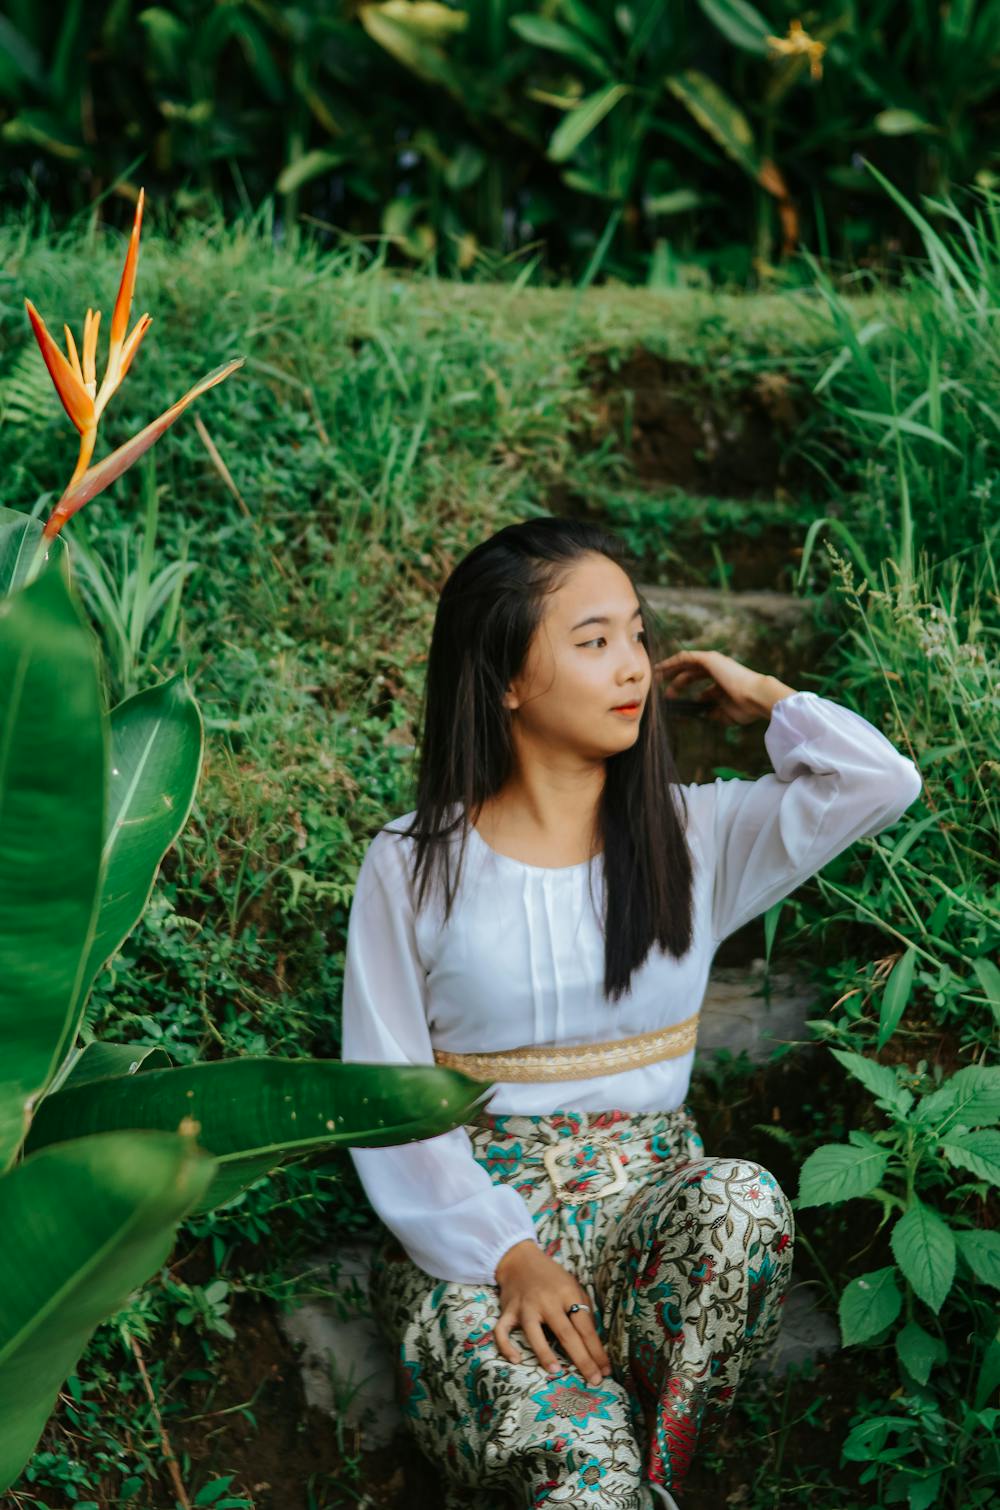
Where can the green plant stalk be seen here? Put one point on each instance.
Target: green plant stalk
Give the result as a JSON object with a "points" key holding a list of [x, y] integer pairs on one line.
{"points": [[146, 560]]}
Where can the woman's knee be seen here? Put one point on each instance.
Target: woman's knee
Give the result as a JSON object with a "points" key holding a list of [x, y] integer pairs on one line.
{"points": [[743, 1184]]}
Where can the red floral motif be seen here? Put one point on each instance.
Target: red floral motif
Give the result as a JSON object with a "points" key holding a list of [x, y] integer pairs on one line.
{"points": [[703, 1271], [608, 1119], [543, 1489], [681, 1434], [470, 1344], [782, 1243], [651, 1268]]}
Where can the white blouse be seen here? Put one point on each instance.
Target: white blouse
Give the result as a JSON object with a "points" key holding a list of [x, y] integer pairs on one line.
{"points": [[521, 961]]}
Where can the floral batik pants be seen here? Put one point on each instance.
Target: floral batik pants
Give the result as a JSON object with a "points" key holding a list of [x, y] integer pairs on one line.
{"points": [[686, 1269]]}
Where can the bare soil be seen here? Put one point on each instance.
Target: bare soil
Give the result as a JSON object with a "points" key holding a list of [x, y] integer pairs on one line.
{"points": [[701, 430]]}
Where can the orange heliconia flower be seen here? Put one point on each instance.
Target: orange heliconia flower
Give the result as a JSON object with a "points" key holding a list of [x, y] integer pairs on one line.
{"points": [[799, 41], [75, 378]]}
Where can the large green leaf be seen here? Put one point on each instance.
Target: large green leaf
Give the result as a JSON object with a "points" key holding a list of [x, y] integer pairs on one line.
{"points": [[157, 740], [979, 1152], [86, 1223], [19, 537], [579, 122], [924, 1247], [880, 1079], [981, 1251], [837, 1172], [869, 1304], [308, 166], [970, 1098], [740, 23], [386, 24], [717, 114], [254, 1113], [98, 1060], [989, 979], [541, 32], [52, 780], [918, 1351], [19, 60], [895, 996]]}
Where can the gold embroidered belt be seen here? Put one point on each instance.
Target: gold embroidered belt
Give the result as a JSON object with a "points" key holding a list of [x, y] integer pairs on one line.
{"points": [[578, 1061]]}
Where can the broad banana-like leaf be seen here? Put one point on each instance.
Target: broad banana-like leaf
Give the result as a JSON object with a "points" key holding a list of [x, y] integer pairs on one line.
{"points": [[157, 740], [411, 46], [19, 537], [52, 779], [578, 123], [255, 1113], [85, 1224], [97, 1060], [740, 23], [717, 114], [540, 31]]}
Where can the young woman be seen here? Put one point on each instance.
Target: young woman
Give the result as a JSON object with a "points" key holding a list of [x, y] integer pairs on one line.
{"points": [[572, 1290]]}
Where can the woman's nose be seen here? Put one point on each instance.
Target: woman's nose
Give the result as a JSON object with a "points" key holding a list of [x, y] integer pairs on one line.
{"points": [[635, 665]]}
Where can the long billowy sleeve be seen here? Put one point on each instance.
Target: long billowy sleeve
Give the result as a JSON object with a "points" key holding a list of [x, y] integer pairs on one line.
{"points": [[440, 1203], [836, 779]]}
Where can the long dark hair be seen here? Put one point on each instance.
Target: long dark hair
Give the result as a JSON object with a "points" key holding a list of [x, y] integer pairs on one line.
{"points": [[487, 614]]}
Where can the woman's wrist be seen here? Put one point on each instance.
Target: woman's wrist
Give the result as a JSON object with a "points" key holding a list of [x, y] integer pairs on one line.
{"points": [[771, 691], [503, 1262]]}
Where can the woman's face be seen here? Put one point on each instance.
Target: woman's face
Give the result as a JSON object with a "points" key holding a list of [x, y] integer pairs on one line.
{"points": [[587, 656]]}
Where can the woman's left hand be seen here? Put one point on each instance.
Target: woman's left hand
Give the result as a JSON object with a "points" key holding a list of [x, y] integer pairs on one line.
{"points": [[738, 694]]}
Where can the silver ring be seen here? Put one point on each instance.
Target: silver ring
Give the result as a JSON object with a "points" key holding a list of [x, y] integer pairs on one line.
{"points": [[577, 1308]]}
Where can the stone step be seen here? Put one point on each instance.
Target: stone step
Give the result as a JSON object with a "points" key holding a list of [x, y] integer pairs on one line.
{"points": [[770, 632], [737, 622], [736, 1015]]}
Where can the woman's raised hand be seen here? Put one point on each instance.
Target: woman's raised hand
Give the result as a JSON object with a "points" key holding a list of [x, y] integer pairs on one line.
{"points": [[536, 1291], [739, 695]]}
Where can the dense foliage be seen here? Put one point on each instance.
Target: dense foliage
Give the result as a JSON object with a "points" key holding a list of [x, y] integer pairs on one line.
{"points": [[664, 141]]}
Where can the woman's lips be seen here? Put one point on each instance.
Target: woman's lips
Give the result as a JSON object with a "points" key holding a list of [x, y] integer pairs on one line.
{"points": [[629, 709]]}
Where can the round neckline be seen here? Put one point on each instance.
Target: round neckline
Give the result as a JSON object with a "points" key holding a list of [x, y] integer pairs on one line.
{"points": [[546, 870]]}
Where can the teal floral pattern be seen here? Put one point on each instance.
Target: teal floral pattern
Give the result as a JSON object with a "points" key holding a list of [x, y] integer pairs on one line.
{"points": [[687, 1269]]}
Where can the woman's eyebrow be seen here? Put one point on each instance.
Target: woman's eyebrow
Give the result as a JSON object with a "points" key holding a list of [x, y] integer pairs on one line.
{"points": [[598, 620]]}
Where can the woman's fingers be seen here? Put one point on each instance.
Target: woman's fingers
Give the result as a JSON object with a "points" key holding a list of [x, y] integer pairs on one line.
{"points": [[576, 1334], [687, 658], [679, 679], [532, 1329], [501, 1336], [583, 1321], [575, 1347]]}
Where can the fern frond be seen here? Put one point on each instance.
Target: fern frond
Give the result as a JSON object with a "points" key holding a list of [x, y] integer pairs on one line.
{"points": [[27, 396]]}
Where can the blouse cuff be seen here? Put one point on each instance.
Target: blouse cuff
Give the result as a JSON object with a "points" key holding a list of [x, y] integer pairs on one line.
{"points": [[809, 733], [494, 1255]]}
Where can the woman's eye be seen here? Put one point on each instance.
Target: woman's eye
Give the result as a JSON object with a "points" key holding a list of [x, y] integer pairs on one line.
{"points": [[640, 634]]}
